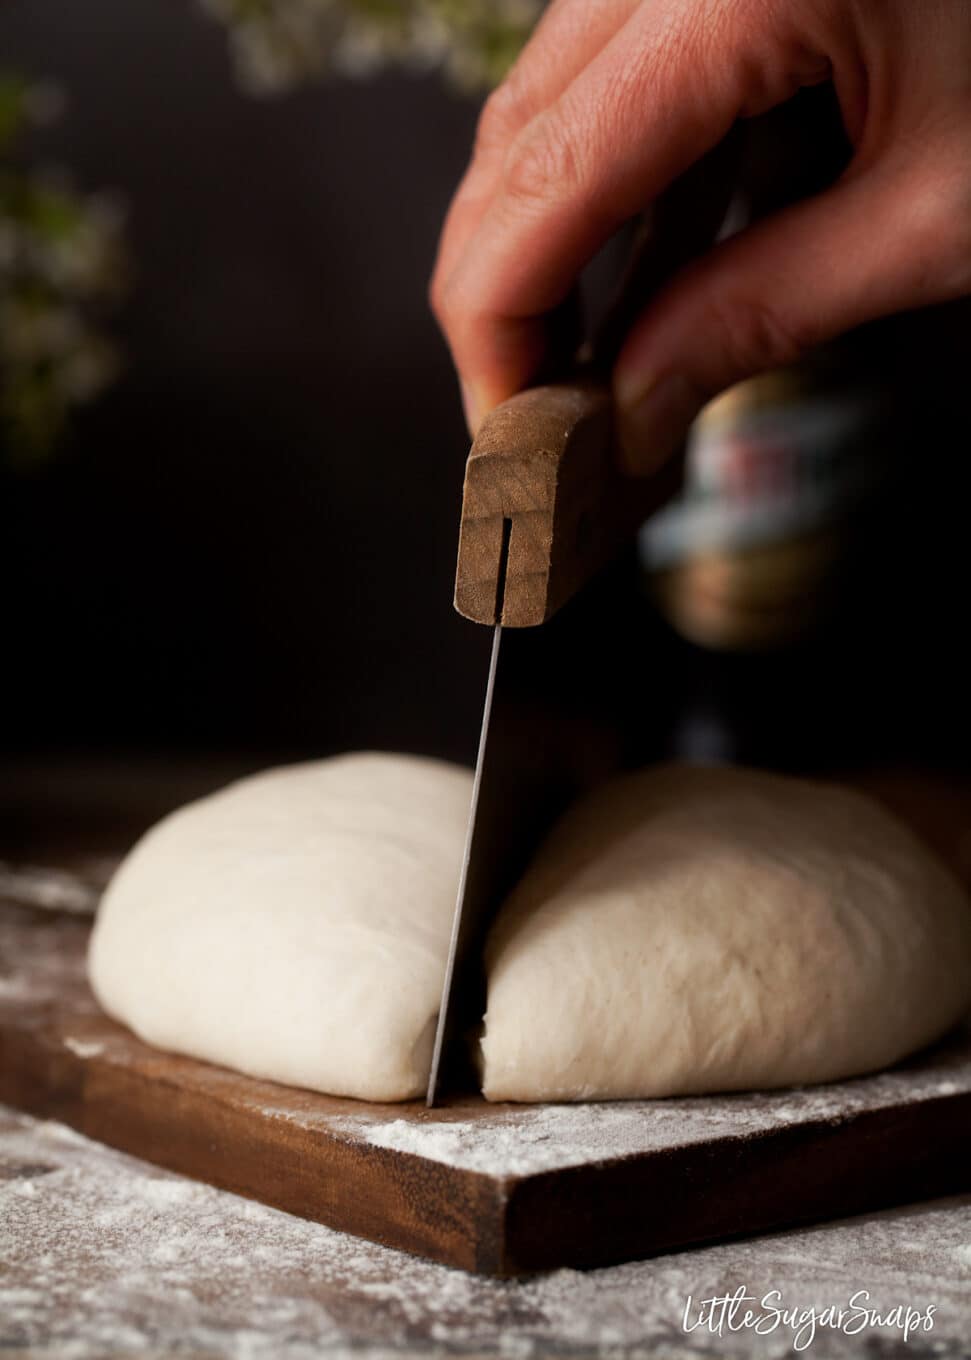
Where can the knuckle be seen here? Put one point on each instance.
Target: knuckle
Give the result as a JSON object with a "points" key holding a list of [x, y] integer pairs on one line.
{"points": [[459, 316], [504, 113], [443, 302], [543, 166], [436, 298]]}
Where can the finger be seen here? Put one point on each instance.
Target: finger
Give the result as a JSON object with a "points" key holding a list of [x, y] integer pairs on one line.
{"points": [[569, 34], [893, 238], [663, 90]]}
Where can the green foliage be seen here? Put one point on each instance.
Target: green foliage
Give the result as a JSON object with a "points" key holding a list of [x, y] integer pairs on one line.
{"points": [[278, 44], [61, 268], [62, 262], [13, 102]]}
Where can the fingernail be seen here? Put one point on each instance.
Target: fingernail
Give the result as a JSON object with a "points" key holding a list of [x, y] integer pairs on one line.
{"points": [[471, 407], [651, 427]]}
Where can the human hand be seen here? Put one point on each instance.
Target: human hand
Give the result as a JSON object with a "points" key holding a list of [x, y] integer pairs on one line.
{"points": [[611, 101]]}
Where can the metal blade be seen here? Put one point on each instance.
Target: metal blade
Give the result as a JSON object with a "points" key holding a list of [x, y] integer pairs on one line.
{"points": [[560, 714], [462, 917]]}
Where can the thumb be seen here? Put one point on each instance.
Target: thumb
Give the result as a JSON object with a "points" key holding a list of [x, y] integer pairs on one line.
{"points": [[880, 241]]}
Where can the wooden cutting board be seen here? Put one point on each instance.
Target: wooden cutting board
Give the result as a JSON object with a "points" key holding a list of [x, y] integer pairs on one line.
{"points": [[499, 1189]]}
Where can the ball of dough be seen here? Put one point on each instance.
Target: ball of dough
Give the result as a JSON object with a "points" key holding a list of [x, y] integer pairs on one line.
{"points": [[696, 930], [294, 925]]}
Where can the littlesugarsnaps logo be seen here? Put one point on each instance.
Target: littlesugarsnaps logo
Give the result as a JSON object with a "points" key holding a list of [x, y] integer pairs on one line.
{"points": [[723, 1314]]}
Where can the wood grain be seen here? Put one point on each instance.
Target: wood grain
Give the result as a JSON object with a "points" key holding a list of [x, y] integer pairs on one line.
{"points": [[545, 462]]}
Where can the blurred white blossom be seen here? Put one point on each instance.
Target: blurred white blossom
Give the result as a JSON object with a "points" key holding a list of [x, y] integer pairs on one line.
{"points": [[62, 265], [62, 258], [278, 44]]}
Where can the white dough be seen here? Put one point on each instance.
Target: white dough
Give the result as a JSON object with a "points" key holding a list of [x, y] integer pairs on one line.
{"points": [[682, 930], [294, 925], [695, 930]]}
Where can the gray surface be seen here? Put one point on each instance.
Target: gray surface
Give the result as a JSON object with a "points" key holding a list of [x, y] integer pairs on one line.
{"points": [[102, 1255]]}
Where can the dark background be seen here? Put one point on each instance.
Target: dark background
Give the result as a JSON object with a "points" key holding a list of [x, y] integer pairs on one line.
{"points": [[251, 541], [248, 546]]}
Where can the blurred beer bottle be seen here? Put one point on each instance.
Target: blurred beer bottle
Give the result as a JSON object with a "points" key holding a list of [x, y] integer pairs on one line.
{"points": [[813, 571]]}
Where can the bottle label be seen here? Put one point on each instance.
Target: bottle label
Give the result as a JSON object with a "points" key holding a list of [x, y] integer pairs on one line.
{"points": [[763, 474]]}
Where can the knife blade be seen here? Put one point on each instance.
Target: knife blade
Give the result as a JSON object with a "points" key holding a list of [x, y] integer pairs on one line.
{"points": [[474, 891], [545, 510]]}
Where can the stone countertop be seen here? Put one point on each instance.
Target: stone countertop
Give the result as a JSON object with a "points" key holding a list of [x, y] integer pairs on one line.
{"points": [[102, 1255]]}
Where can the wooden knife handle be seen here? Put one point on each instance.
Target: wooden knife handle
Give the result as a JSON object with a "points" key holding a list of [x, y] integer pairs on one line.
{"points": [[542, 477]]}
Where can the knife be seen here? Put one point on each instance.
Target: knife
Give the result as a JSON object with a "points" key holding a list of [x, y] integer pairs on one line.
{"points": [[545, 511]]}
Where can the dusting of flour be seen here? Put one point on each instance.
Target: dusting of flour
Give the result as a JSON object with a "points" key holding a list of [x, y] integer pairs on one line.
{"points": [[525, 1140], [102, 1255]]}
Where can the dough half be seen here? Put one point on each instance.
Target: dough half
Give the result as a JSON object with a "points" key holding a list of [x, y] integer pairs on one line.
{"points": [[294, 925], [696, 930]]}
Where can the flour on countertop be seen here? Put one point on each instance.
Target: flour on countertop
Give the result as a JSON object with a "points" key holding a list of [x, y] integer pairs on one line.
{"points": [[55, 889], [103, 1255], [83, 1049]]}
